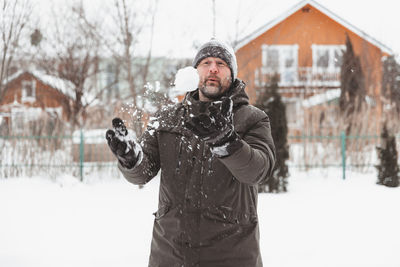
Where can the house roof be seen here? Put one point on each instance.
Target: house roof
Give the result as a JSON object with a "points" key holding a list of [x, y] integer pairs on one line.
{"points": [[59, 84], [322, 9]]}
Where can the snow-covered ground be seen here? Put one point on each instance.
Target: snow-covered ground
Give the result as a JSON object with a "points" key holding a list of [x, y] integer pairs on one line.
{"points": [[322, 221]]}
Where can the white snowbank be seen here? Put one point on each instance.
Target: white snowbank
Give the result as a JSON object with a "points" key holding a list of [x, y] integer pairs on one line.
{"points": [[322, 221]]}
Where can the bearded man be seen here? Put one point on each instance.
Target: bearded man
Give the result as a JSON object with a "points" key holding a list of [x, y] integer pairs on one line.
{"points": [[213, 149]]}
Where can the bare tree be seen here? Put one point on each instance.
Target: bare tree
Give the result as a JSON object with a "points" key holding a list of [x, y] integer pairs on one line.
{"points": [[214, 17], [130, 26], [245, 14], [120, 37], [14, 17], [73, 55]]}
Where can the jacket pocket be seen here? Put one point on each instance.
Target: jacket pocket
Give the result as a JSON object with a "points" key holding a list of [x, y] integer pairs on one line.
{"points": [[162, 210], [228, 215]]}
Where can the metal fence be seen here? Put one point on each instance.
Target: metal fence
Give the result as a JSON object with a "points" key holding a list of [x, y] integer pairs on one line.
{"points": [[342, 151], [82, 154], [76, 154]]}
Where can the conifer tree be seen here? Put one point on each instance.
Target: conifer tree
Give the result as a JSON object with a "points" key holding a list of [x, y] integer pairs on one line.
{"points": [[388, 169], [391, 81], [270, 101], [352, 83]]}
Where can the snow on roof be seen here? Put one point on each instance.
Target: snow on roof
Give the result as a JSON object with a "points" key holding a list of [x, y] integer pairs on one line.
{"points": [[64, 86], [324, 10], [321, 98]]}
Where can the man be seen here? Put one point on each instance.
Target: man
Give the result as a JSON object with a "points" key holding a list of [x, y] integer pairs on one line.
{"points": [[213, 149]]}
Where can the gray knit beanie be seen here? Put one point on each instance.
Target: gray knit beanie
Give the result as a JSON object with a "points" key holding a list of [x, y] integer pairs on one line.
{"points": [[219, 49]]}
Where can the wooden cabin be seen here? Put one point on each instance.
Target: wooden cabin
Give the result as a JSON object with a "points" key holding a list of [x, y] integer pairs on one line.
{"points": [[28, 94], [304, 47]]}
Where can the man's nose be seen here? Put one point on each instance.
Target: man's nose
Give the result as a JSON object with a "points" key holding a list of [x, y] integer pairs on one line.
{"points": [[213, 68]]}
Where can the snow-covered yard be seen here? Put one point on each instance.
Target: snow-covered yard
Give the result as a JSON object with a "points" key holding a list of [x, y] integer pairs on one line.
{"points": [[322, 221]]}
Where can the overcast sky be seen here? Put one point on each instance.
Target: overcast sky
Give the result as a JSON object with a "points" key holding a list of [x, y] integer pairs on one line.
{"points": [[180, 23]]}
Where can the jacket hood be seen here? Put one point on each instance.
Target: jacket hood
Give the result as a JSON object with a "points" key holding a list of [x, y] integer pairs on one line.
{"points": [[236, 92]]}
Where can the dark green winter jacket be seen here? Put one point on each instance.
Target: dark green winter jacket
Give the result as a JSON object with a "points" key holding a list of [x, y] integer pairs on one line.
{"points": [[207, 214]]}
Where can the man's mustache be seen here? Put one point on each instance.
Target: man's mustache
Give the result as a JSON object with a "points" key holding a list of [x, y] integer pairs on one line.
{"points": [[214, 79]]}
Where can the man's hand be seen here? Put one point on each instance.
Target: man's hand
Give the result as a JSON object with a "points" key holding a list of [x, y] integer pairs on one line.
{"points": [[215, 127], [123, 145]]}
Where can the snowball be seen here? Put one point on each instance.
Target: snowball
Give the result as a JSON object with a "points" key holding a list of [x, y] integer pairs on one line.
{"points": [[186, 79]]}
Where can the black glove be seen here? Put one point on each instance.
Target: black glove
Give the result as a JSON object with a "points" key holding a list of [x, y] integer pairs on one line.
{"points": [[123, 146], [215, 127]]}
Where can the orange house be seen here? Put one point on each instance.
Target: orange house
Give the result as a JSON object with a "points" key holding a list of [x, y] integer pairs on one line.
{"points": [[28, 94], [304, 46]]}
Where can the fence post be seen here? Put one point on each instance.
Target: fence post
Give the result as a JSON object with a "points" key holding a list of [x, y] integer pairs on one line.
{"points": [[343, 141], [81, 155]]}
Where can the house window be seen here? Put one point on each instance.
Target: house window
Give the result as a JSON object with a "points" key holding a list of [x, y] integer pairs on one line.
{"points": [[323, 59], [272, 60], [28, 91], [327, 58], [281, 60]]}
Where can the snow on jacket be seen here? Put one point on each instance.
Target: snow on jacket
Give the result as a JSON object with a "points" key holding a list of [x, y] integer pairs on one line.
{"points": [[207, 213]]}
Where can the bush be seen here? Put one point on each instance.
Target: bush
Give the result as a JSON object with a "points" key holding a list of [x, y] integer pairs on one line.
{"points": [[388, 169]]}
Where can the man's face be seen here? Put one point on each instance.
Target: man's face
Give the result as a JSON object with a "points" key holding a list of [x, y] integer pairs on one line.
{"points": [[215, 78]]}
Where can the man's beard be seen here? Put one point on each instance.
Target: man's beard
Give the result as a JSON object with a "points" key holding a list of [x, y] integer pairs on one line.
{"points": [[214, 92]]}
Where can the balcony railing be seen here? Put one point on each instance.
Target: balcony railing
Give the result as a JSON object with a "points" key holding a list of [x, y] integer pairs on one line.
{"points": [[302, 77]]}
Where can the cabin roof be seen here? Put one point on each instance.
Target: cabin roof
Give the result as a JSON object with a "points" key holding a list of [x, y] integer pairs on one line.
{"points": [[56, 83], [246, 40]]}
